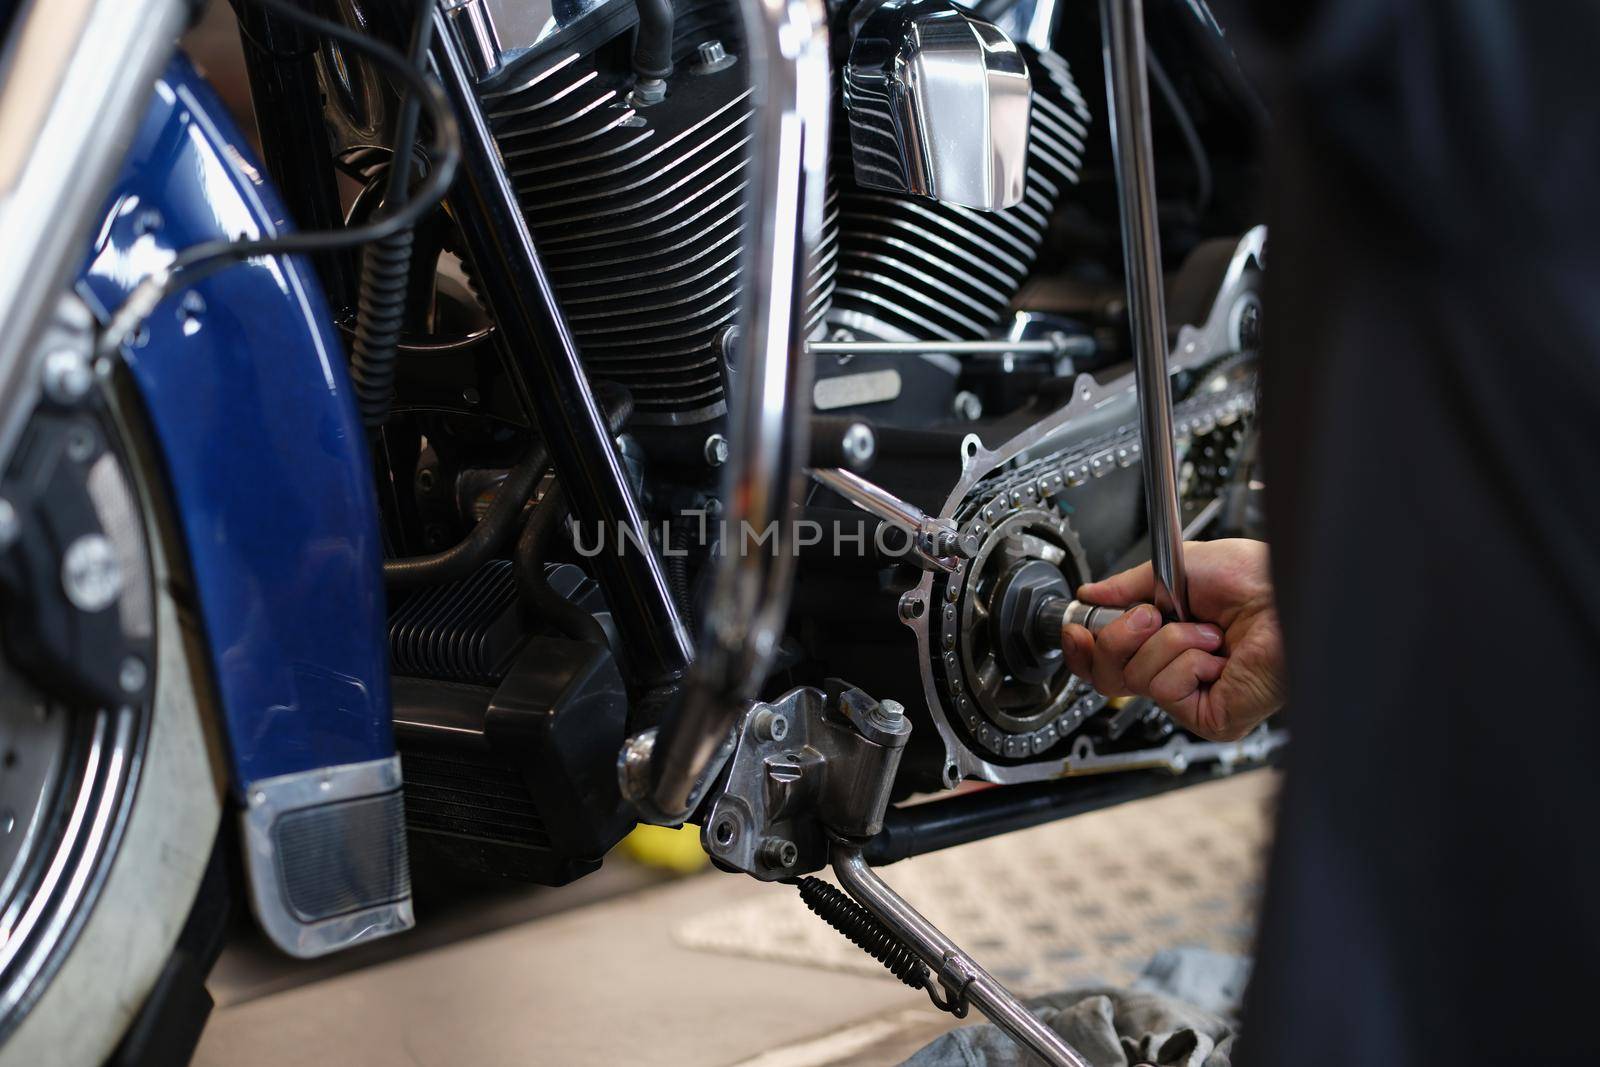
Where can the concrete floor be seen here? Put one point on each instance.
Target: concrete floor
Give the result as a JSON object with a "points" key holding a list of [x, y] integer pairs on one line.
{"points": [[601, 984], [601, 972]]}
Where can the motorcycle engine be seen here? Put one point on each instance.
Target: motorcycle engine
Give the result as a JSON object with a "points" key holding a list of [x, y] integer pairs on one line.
{"points": [[637, 197], [638, 210]]}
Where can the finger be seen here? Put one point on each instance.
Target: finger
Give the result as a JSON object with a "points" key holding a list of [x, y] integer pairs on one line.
{"points": [[1125, 588], [1116, 644], [1078, 644], [1180, 687], [1169, 642]]}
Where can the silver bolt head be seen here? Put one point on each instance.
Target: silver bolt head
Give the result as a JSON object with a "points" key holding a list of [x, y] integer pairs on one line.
{"points": [[90, 574], [860, 443], [647, 92], [717, 450], [968, 406], [711, 57], [770, 725], [132, 675], [67, 376], [892, 710]]}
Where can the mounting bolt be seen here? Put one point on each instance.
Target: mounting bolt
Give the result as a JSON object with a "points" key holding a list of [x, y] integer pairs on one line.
{"points": [[647, 92], [891, 711], [90, 574], [769, 725], [716, 450], [67, 376], [860, 444], [967, 406], [132, 675], [779, 853], [911, 606], [711, 57]]}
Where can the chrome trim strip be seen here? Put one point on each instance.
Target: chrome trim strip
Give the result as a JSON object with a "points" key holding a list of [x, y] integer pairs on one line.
{"points": [[270, 798]]}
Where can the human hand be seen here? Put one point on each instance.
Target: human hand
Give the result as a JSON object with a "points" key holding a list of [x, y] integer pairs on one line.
{"points": [[1217, 676]]}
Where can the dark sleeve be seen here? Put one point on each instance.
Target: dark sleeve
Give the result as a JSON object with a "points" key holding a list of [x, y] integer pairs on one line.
{"points": [[1432, 435]]}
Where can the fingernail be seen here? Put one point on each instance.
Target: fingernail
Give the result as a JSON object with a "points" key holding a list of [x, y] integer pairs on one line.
{"points": [[1211, 636], [1143, 618]]}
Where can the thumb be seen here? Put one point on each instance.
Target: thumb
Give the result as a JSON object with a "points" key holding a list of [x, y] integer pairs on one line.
{"points": [[1129, 587]]}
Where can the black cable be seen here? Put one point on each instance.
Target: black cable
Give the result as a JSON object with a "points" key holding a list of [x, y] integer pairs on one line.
{"points": [[486, 538], [539, 598], [386, 263], [198, 262], [1191, 136], [652, 47]]}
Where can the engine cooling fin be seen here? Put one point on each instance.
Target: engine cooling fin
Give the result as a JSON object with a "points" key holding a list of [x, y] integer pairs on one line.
{"points": [[639, 212], [915, 268]]}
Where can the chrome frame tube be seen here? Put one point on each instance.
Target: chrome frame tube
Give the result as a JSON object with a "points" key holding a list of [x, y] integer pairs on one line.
{"points": [[1128, 93], [787, 45], [1041, 346], [947, 959], [83, 71]]}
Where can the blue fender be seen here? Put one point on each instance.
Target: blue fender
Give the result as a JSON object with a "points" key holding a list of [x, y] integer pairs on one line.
{"points": [[243, 379]]}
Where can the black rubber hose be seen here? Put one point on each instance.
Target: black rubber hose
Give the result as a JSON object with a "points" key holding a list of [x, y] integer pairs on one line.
{"points": [[652, 48], [539, 599], [386, 263], [486, 538], [533, 548]]}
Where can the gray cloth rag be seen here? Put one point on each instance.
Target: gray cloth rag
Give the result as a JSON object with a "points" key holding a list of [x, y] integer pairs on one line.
{"points": [[1155, 1022]]}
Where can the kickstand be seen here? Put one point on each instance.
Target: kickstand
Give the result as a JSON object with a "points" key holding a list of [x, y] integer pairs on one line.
{"points": [[960, 975]]}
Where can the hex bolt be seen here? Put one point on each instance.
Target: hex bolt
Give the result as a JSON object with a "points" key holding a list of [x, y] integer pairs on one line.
{"points": [[10, 525], [770, 725], [647, 92], [891, 711], [860, 444], [132, 675], [716, 450], [779, 853], [90, 574], [711, 52], [67, 376]]}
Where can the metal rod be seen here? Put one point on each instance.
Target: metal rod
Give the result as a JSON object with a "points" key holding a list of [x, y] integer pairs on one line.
{"points": [[1127, 89], [550, 383], [875, 500], [948, 960], [770, 389], [936, 542], [1064, 345]]}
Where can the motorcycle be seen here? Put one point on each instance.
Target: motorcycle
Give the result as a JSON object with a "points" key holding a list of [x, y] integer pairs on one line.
{"points": [[667, 411]]}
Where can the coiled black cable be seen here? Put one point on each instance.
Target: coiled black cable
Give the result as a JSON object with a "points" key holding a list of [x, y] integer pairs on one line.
{"points": [[386, 262], [861, 927]]}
